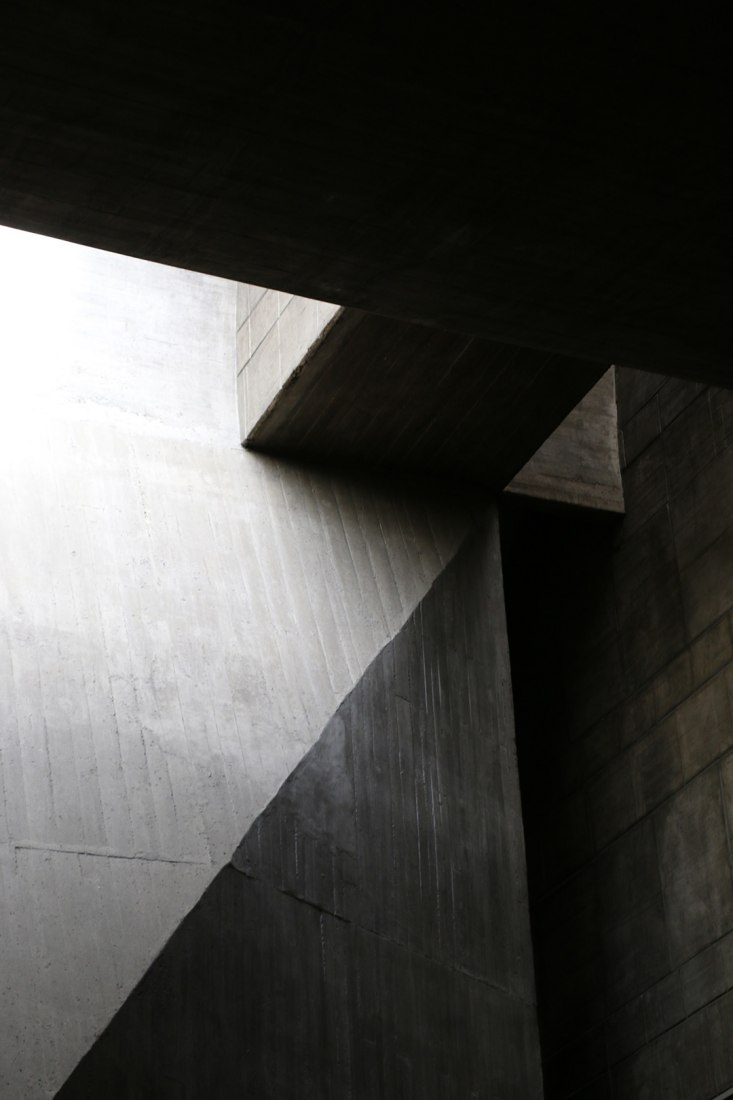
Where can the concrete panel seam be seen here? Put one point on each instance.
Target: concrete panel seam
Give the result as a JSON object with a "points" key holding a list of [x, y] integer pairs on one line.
{"points": [[726, 820], [679, 1023], [105, 853], [436, 960]]}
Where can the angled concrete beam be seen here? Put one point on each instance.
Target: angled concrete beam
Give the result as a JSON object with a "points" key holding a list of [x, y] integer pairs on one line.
{"points": [[579, 463], [340, 385]]}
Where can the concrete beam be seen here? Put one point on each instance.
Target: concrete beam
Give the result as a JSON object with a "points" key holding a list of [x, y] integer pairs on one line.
{"points": [[579, 463], [347, 386]]}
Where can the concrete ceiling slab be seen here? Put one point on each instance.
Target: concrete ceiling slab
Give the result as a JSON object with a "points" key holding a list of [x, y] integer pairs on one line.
{"points": [[554, 178]]}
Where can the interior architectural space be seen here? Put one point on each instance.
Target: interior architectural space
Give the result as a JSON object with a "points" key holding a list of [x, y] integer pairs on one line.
{"points": [[366, 554]]}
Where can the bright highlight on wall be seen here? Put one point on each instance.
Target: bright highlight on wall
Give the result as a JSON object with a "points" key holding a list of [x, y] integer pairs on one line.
{"points": [[75, 322], [38, 282]]}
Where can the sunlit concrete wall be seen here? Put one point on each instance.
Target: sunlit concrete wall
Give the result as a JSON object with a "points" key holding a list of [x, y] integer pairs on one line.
{"points": [[275, 332], [178, 621]]}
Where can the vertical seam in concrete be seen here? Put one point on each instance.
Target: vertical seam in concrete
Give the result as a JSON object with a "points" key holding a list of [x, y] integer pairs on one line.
{"points": [[724, 809]]}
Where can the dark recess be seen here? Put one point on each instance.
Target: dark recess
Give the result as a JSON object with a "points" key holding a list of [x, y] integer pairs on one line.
{"points": [[622, 663], [555, 560]]}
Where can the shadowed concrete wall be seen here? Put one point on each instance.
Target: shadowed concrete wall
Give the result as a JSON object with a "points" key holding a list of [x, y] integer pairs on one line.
{"points": [[623, 694], [178, 621], [370, 937]]}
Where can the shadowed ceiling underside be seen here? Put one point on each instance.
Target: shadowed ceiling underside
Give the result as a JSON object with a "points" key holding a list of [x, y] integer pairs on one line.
{"points": [[532, 177]]}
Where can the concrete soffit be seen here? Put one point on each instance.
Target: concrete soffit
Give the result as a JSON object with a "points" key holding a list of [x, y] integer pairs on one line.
{"points": [[333, 384]]}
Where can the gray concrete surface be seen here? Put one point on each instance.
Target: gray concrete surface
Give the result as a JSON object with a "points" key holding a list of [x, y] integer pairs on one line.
{"points": [[371, 936], [579, 463], [626, 735], [275, 333], [178, 621], [513, 174], [354, 389]]}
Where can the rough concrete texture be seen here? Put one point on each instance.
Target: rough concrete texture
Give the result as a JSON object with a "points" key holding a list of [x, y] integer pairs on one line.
{"points": [[623, 695], [514, 174], [275, 333], [371, 936], [178, 621], [579, 463], [370, 392]]}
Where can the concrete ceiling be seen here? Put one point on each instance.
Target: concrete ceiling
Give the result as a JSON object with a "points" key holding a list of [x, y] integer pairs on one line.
{"points": [[557, 178]]}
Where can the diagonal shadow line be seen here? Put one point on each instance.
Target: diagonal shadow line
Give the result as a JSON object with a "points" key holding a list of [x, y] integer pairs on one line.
{"points": [[371, 930]]}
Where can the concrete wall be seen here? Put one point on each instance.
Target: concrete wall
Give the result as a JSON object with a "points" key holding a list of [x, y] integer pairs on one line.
{"points": [[178, 621], [370, 937], [623, 693]]}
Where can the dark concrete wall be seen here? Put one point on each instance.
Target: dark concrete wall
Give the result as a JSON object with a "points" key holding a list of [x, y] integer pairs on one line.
{"points": [[623, 668], [370, 937]]}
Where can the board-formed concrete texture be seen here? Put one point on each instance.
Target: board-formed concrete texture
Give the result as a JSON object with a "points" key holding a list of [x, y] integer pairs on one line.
{"points": [[275, 333], [579, 463], [554, 176], [354, 389], [625, 731], [538, 179], [370, 937], [178, 621]]}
